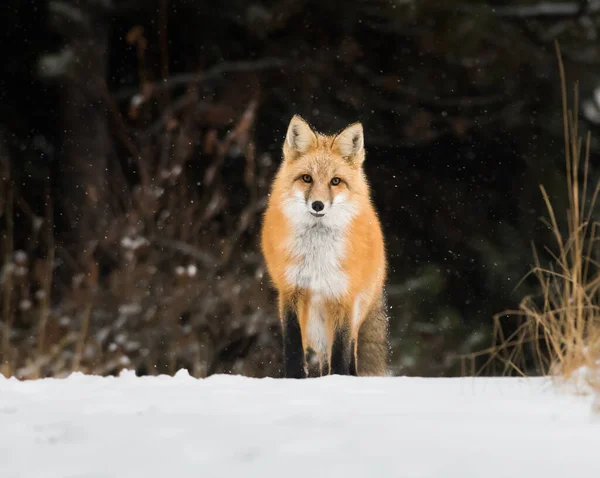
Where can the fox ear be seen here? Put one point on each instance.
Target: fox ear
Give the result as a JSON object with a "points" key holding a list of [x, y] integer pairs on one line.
{"points": [[350, 143], [299, 138]]}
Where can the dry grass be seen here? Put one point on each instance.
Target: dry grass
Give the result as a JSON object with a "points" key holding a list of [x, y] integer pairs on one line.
{"points": [[561, 326]]}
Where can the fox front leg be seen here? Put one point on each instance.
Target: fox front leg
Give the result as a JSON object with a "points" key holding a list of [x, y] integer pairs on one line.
{"points": [[354, 358], [324, 364], [341, 351], [293, 351]]}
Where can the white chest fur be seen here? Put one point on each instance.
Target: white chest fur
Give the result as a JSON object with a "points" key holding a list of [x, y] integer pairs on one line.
{"points": [[318, 252]]}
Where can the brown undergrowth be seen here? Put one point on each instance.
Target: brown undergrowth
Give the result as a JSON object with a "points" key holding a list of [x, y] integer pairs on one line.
{"points": [[173, 279]]}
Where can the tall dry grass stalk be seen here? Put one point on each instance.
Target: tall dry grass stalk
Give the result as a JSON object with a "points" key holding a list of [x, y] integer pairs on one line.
{"points": [[7, 316], [563, 325]]}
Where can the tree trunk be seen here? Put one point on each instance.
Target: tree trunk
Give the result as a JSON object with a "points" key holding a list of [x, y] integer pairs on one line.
{"points": [[80, 68]]}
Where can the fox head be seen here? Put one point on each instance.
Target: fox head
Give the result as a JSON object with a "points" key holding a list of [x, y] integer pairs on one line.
{"points": [[321, 179]]}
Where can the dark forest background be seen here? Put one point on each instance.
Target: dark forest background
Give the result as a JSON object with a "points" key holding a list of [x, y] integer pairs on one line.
{"points": [[138, 139]]}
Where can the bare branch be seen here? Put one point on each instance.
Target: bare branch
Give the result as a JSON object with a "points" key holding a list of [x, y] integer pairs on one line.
{"points": [[212, 73], [536, 10], [548, 9], [205, 258]]}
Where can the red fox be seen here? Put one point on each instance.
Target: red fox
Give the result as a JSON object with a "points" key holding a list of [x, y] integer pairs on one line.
{"points": [[325, 254]]}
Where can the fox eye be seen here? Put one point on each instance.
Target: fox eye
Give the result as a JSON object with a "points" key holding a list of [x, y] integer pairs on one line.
{"points": [[306, 178], [335, 181]]}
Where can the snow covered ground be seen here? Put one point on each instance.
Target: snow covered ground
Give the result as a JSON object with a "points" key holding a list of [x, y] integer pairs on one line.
{"points": [[231, 426]]}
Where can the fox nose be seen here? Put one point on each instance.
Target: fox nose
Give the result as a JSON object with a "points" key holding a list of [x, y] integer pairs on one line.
{"points": [[318, 206]]}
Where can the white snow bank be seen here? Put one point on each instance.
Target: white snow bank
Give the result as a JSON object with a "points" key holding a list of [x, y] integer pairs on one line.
{"points": [[231, 426]]}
